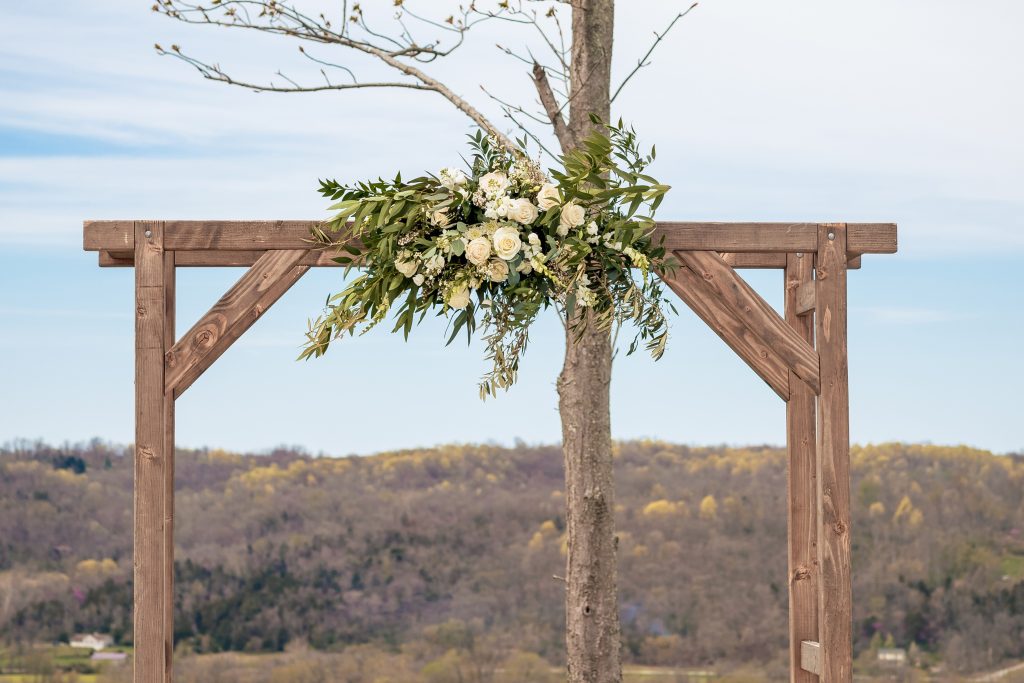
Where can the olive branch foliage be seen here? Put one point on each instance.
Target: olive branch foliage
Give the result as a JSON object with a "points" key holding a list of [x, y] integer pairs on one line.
{"points": [[596, 271]]}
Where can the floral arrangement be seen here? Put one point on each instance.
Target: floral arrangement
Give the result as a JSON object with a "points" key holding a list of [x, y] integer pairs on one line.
{"points": [[502, 241]]}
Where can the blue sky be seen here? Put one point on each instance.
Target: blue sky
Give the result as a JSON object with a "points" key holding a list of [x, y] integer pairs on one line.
{"points": [[907, 112]]}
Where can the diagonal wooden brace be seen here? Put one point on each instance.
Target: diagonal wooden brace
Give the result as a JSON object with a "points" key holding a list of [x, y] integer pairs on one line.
{"points": [[265, 282], [733, 331], [740, 299]]}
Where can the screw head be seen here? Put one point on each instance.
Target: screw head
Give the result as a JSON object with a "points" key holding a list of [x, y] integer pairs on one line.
{"points": [[799, 254], [149, 233], [831, 235]]}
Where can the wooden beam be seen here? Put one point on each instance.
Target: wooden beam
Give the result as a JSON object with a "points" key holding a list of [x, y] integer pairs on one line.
{"points": [[733, 331], [768, 260], [865, 238], [801, 480], [218, 259], [810, 658], [835, 617], [747, 305], [803, 292], [257, 290], [109, 236], [870, 238], [151, 296], [320, 258], [169, 337]]}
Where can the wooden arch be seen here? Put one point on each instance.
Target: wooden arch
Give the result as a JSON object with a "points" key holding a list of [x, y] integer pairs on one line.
{"points": [[801, 356]]}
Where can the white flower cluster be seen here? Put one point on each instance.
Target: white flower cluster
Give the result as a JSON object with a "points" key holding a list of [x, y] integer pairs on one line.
{"points": [[493, 249], [457, 255]]}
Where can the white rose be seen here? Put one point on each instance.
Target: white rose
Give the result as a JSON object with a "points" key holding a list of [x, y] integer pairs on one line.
{"points": [[494, 183], [562, 230], [507, 243], [525, 267], [572, 216], [523, 211], [548, 196], [459, 297], [439, 218], [452, 178], [497, 271], [504, 207], [406, 268], [418, 279], [478, 251]]}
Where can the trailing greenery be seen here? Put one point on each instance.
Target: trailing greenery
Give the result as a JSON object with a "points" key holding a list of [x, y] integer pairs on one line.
{"points": [[492, 247]]}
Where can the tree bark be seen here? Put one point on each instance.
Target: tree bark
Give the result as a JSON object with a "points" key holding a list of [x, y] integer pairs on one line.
{"points": [[593, 641]]}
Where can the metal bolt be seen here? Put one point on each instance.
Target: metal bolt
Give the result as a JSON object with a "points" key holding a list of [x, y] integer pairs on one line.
{"points": [[831, 235], [149, 233], [799, 254]]}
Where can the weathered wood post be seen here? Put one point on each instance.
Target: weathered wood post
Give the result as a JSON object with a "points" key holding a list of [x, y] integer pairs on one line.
{"points": [[154, 455], [801, 482], [835, 601]]}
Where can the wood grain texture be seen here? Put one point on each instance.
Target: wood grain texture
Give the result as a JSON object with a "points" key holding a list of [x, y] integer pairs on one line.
{"points": [[218, 259], [870, 238], [803, 302], [747, 305], [321, 259], [833, 460], [168, 426], [866, 238], [263, 284], [733, 331], [810, 658], [801, 479], [109, 235], [150, 456]]}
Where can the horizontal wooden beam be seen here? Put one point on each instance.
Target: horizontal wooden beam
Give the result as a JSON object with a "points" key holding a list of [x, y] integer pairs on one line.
{"points": [[864, 238], [810, 656], [747, 305], [217, 259], [240, 259], [257, 290], [733, 331]]}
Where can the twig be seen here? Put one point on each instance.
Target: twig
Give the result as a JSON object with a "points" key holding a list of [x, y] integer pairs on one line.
{"points": [[643, 60]]}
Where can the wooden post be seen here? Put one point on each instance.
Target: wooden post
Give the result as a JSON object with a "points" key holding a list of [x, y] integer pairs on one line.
{"points": [[151, 462], [835, 618], [801, 482], [169, 310]]}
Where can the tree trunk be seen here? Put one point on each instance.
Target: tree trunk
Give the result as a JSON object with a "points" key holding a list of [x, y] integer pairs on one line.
{"points": [[592, 638]]}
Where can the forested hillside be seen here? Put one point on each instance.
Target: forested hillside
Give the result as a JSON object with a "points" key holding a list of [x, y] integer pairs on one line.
{"points": [[463, 546]]}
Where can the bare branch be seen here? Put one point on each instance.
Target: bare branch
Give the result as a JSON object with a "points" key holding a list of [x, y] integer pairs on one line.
{"points": [[643, 60], [284, 19], [212, 72], [554, 112]]}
